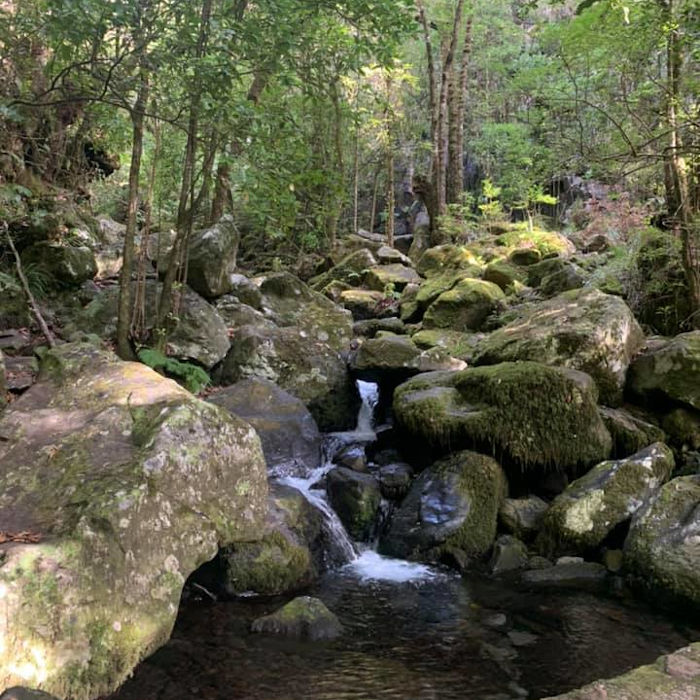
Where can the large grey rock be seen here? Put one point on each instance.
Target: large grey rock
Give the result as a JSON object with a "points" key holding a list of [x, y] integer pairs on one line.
{"points": [[303, 617], [582, 329], [591, 507], [355, 497], [235, 314], [662, 550], [125, 484], [289, 435], [451, 507]]}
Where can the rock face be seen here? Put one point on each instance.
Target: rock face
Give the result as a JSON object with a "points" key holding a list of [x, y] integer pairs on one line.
{"points": [[667, 368], [672, 677], [289, 435], [355, 497], [451, 507], [310, 370], [304, 617], [590, 508], [289, 555], [129, 484], [583, 329], [212, 258], [201, 334], [662, 550], [465, 307], [536, 417]]}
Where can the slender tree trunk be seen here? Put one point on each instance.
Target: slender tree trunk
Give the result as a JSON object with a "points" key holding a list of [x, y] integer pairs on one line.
{"points": [[390, 196], [356, 182], [223, 198], [337, 194], [375, 191]]}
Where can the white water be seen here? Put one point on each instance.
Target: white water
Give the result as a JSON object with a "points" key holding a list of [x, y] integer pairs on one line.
{"points": [[370, 566]]}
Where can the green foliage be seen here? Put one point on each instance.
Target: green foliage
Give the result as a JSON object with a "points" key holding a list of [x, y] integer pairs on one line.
{"points": [[194, 378]]}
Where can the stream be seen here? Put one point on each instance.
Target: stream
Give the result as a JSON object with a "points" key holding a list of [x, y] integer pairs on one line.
{"points": [[411, 632]]}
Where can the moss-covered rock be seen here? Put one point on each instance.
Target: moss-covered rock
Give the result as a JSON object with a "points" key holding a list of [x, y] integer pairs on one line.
{"points": [[505, 274], [334, 289], [409, 309], [370, 327], [569, 277], [304, 617], [669, 369], [591, 507], [662, 550], [245, 290], [18, 693], [454, 343], [435, 261], [396, 276], [465, 307], [534, 416], [235, 314], [683, 428], [452, 506], [433, 287], [629, 432], [355, 497], [129, 484], [518, 237], [362, 303], [309, 369], [672, 677], [582, 329], [536, 273], [63, 265], [349, 270], [522, 516]]}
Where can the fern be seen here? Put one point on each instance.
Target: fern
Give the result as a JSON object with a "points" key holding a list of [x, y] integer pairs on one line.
{"points": [[194, 378]]}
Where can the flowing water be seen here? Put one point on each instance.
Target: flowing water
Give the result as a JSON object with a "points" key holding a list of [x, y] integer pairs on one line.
{"points": [[411, 632]]}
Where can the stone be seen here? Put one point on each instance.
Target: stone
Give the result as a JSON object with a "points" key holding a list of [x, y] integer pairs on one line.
{"points": [[536, 417], [454, 343], [525, 256], [538, 272], [681, 424], [370, 327], [353, 457], [465, 307], [64, 265], [665, 368], [584, 330], [509, 554], [309, 369], [362, 303], [591, 507], [662, 550], [20, 372], [355, 497], [439, 259], [350, 270], [245, 290], [432, 288], [389, 256], [235, 314], [12, 341], [597, 243], [290, 438], [409, 309], [522, 517], [675, 676], [613, 560], [569, 277], [395, 480], [452, 506], [306, 618], [18, 693], [129, 484], [582, 574], [395, 277], [287, 558], [505, 274], [629, 432], [200, 336]]}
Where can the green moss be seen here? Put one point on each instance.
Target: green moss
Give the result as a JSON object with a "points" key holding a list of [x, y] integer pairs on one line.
{"points": [[546, 242], [464, 307]]}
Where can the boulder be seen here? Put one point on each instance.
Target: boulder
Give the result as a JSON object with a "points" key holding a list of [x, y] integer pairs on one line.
{"points": [[433, 287], [122, 484], [629, 432], [591, 507], [465, 307], [536, 273], [245, 290], [395, 480], [289, 555], [665, 370], [662, 550], [675, 676], [350, 270], [306, 618], [525, 257], [454, 343], [409, 309], [370, 327], [568, 574], [505, 274], [681, 424], [64, 265], [235, 314], [390, 256], [355, 497], [442, 258], [509, 554], [452, 508], [353, 457], [212, 258], [534, 416], [289, 435], [585, 330], [395, 276], [522, 516], [567, 278], [200, 335], [362, 303], [309, 369]]}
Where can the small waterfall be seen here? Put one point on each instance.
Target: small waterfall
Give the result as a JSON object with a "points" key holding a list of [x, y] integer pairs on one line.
{"points": [[369, 393]]}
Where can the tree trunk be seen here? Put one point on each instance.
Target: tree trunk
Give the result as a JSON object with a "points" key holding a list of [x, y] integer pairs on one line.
{"points": [[223, 198], [390, 195]]}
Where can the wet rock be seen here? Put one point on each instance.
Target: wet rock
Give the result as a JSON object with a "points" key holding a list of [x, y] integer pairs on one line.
{"points": [[306, 618], [395, 480], [353, 457], [509, 554], [612, 492], [133, 485], [451, 507], [355, 497], [522, 516], [662, 550], [629, 432], [396, 276], [568, 575], [664, 369], [534, 415], [583, 329], [289, 435], [465, 307]]}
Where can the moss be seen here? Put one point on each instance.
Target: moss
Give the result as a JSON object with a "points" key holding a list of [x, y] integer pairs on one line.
{"points": [[504, 274], [457, 344], [464, 307], [433, 287], [441, 258], [545, 242]]}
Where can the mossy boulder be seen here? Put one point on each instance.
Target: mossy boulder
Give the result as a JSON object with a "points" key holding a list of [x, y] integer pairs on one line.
{"points": [[212, 258], [451, 507], [662, 550], [235, 314], [363, 304], [534, 416], [433, 287], [505, 274], [390, 256], [591, 507], [289, 302], [200, 335], [683, 428], [435, 261], [454, 343], [629, 432], [369, 328], [127, 484], [287, 558], [465, 307], [396, 276], [672, 677], [569, 277], [63, 265], [305, 617], [582, 329], [409, 309], [519, 238], [669, 370], [289, 435], [309, 369], [355, 497], [349, 270], [538, 272]]}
